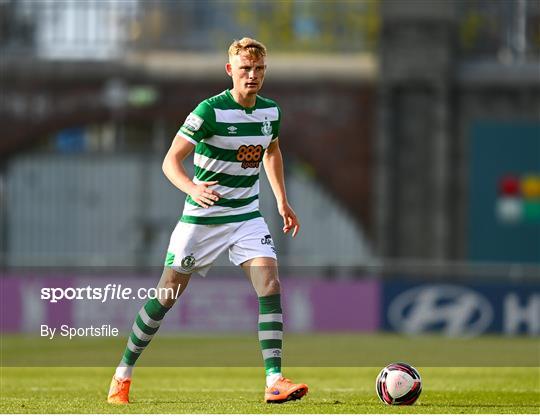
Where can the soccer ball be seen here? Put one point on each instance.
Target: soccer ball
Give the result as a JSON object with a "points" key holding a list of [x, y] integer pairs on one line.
{"points": [[399, 384]]}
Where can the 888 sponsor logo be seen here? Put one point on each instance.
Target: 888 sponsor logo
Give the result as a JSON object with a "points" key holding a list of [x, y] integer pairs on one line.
{"points": [[249, 155]]}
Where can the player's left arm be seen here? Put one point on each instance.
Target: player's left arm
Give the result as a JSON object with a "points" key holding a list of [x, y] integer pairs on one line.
{"points": [[273, 165]]}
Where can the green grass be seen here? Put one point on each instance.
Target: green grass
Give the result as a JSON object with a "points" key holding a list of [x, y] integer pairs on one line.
{"points": [[239, 390], [204, 374], [301, 350]]}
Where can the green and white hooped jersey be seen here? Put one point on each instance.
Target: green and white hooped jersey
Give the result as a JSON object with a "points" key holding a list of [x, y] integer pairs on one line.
{"points": [[230, 143]]}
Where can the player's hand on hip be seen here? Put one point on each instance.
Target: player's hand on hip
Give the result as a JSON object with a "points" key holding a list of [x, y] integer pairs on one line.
{"points": [[203, 195], [290, 221]]}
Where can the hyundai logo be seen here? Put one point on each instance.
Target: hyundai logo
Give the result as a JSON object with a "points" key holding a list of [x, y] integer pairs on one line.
{"points": [[452, 310]]}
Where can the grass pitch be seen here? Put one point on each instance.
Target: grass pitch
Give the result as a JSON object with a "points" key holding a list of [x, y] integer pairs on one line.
{"points": [[28, 388], [240, 390]]}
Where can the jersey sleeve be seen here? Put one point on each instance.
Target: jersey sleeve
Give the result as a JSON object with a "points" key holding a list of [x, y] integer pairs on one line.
{"points": [[276, 126], [199, 124]]}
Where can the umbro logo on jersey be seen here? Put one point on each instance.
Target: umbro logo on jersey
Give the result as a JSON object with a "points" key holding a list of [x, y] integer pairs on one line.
{"points": [[232, 129]]}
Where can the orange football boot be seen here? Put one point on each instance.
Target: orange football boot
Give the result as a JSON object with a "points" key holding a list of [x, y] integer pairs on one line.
{"points": [[119, 391], [284, 390]]}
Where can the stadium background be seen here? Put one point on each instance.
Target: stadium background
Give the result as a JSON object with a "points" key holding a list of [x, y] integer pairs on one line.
{"points": [[411, 136]]}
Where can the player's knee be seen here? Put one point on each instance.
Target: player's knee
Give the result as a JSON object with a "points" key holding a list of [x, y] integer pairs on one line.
{"points": [[271, 287]]}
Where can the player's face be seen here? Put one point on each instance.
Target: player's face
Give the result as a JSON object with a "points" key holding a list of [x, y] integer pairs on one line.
{"points": [[247, 73]]}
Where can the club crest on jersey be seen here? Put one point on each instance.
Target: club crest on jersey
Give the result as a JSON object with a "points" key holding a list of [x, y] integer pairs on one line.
{"points": [[232, 129], [266, 128], [188, 263]]}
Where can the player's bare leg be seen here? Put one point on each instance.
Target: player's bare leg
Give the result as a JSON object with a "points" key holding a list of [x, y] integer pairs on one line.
{"points": [[263, 273], [145, 326], [173, 281]]}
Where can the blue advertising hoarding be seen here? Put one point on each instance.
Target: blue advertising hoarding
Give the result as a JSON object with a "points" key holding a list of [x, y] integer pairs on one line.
{"points": [[457, 309]]}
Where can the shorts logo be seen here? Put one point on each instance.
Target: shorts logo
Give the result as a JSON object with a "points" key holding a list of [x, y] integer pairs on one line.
{"points": [[267, 241], [266, 128], [188, 263], [250, 156]]}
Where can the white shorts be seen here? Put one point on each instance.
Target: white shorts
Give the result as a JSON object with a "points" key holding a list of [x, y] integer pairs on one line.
{"points": [[194, 248]]}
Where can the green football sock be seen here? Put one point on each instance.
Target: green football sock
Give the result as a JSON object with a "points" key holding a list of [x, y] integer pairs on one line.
{"points": [[145, 326], [271, 332]]}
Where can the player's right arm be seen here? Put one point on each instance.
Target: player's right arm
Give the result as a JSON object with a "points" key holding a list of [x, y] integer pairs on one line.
{"points": [[197, 126], [173, 168]]}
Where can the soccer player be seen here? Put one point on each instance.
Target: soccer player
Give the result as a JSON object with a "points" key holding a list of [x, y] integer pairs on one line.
{"points": [[232, 133]]}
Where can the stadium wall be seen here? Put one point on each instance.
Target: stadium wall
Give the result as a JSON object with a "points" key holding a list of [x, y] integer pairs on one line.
{"points": [[120, 210]]}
